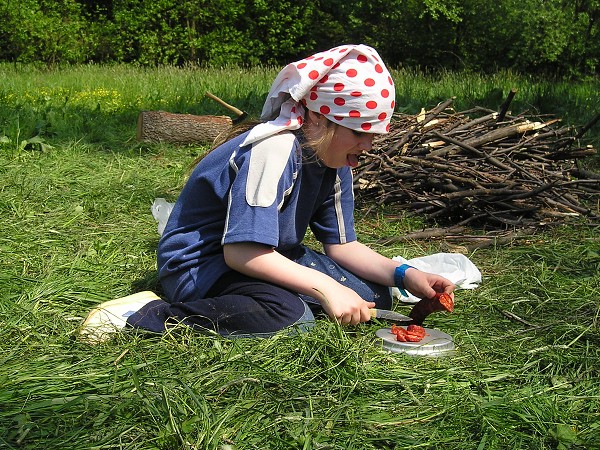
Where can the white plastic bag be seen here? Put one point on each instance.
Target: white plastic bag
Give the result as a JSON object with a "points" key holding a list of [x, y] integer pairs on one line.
{"points": [[161, 210], [456, 267]]}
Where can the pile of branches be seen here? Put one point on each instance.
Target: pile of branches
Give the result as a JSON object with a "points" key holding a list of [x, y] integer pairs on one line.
{"points": [[481, 167]]}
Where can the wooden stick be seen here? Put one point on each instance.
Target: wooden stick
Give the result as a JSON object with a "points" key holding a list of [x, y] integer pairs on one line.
{"points": [[587, 126], [423, 234], [490, 159], [504, 107]]}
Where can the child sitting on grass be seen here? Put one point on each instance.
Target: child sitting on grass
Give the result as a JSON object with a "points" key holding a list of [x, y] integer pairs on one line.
{"points": [[231, 258]]}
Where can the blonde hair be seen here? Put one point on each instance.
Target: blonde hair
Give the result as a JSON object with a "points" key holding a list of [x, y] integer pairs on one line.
{"points": [[322, 143], [318, 145]]}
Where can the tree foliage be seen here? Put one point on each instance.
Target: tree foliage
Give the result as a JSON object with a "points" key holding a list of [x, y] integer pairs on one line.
{"points": [[536, 36], [42, 30]]}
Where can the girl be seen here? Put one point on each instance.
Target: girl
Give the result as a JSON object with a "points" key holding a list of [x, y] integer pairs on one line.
{"points": [[231, 257]]}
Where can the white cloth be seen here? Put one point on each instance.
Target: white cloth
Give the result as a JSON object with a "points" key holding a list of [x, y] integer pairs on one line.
{"points": [[455, 267], [348, 84], [161, 210]]}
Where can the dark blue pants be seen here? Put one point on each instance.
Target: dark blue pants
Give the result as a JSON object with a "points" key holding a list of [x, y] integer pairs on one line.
{"points": [[238, 305]]}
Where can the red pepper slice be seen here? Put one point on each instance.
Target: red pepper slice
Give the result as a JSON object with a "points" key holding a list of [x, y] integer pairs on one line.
{"points": [[413, 337], [440, 302], [445, 300], [416, 329], [413, 333]]}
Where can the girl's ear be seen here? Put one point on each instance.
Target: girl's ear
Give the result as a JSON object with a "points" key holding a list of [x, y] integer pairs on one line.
{"points": [[317, 121], [315, 127], [317, 118]]}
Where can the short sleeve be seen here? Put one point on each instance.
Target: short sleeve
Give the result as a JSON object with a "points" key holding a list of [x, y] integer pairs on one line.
{"points": [[333, 223], [264, 175]]}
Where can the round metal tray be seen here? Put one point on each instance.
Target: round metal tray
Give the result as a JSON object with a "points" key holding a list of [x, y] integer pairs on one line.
{"points": [[435, 343]]}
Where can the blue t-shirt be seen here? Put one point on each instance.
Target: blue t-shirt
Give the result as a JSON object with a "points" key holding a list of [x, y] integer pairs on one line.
{"points": [[269, 193]]}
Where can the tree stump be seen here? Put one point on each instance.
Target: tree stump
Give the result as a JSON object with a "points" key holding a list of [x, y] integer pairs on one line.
{"points": [[162, 126]]}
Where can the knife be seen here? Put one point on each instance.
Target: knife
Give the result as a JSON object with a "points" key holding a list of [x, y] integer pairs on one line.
{"points": [[389, 315]]}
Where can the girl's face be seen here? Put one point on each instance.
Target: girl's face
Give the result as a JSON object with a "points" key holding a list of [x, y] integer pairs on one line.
{"points": [[345, 147]]}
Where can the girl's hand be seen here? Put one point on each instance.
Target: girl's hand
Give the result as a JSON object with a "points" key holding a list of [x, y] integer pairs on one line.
{"points": [[425, 284], [343, 304]]}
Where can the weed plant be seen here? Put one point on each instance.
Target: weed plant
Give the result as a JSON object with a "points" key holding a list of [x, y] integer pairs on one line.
{"points": [[77, 230]]}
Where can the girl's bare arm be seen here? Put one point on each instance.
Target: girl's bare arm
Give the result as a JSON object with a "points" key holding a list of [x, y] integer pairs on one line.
{"points": [[370, 265], [263, 262]]}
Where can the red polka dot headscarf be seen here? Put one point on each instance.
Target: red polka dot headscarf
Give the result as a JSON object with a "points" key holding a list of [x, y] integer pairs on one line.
{"points": [[349, 84]]}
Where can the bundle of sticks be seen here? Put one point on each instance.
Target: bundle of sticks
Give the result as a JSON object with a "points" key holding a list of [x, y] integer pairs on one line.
{"points": [[482, 168]]}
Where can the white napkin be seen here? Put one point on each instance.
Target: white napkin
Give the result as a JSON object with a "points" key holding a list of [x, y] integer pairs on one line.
{"points": [[456, 267], [161, 210]]}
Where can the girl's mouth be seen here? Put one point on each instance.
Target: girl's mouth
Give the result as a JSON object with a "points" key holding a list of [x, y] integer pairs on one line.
{"points": [[352, 160]]}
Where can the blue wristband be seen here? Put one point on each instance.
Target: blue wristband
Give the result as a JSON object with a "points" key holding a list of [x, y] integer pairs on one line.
{"points": [[399, 275]]}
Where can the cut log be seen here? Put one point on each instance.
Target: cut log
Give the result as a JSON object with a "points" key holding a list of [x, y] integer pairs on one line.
{"points": [[162, 126]]}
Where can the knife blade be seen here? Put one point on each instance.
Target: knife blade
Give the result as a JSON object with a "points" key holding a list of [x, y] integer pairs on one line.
{"points": [[389, 315]]}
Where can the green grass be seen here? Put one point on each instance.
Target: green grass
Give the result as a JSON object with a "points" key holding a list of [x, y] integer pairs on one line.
{"points": [[77, 230]]}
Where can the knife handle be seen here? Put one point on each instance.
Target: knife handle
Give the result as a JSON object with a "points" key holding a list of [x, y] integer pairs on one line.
{"points": [[373, 312]]}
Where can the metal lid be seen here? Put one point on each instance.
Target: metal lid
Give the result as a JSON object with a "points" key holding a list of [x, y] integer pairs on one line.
{"points": [[435, 343]]}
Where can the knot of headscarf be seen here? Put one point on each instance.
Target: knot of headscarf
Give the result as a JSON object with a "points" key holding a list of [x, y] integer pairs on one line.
{"points": [[349, 84]]}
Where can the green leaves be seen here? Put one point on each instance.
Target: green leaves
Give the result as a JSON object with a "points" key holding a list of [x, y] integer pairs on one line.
{"points": [[536, 36], [18, 146], [566, 436]]}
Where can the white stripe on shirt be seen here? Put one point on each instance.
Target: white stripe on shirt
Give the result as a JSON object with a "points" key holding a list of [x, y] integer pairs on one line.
{"points": [[337, 196]]}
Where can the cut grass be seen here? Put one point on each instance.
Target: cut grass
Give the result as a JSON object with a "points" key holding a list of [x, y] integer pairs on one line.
{"points": [[77, 230]]}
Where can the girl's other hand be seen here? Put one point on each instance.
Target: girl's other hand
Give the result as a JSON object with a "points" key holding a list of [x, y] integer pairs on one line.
{"points": [[426, 285]]}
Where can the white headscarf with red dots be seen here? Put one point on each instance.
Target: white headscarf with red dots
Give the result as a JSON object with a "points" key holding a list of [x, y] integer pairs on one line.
{"points": [[349, 84]]}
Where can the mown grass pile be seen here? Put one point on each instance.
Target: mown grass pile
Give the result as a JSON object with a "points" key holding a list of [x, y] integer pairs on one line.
{"points": [[77, 230]]}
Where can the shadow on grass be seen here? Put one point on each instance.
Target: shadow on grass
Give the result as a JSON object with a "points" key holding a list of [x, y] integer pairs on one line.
{"points": [[149, 282]]}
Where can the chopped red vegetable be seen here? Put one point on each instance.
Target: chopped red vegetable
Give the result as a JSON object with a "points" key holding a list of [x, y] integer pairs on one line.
{"points": [[416, 329], [412, 333], [445, 300]]}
